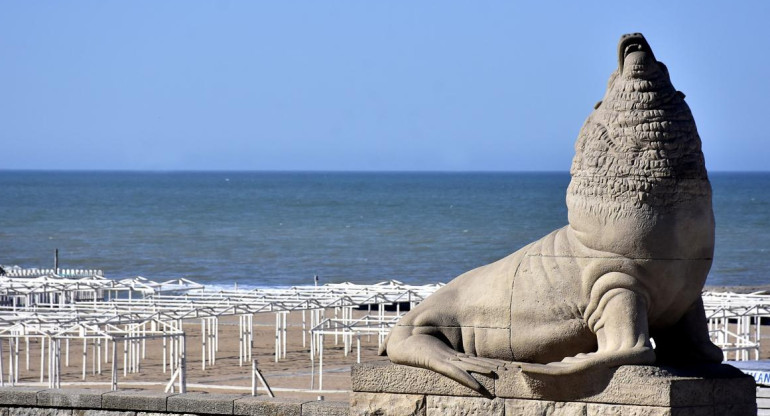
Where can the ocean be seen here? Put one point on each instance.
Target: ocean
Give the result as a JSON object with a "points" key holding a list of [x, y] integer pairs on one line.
{"points": [[273, 229]]}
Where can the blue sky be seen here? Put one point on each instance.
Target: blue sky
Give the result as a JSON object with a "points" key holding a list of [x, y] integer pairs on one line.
{"points": [[358, 85]]}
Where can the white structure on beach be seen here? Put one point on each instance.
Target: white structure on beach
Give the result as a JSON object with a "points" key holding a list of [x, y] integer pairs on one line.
{"points": [[55, 308], [56, 311]]}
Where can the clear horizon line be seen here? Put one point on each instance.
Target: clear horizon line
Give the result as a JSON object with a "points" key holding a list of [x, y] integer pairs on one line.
{"points": [[86, 170]]}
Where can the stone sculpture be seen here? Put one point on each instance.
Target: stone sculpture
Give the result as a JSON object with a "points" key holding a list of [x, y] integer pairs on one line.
{"points": [[630, 265]]}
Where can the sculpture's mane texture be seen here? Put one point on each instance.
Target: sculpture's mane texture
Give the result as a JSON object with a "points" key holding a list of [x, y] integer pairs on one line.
{"points": [[639, 151]]}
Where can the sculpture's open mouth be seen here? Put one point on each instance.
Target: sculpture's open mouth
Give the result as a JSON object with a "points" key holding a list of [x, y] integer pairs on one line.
{"points": [[634, 55]]}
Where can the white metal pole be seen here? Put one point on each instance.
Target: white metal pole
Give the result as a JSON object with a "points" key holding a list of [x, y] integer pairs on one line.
{"points": [[183, 367], [253, 378], [51, 366], [2, 370], [304, 328], [321, 365], [16, 359], [171, 359], [336, 316], [58, 363], [240, 340], [251, 335], [215, 337], [312, 359], [211, 341], [42, 359], [125, 358], [203, 344], [93, 356], [277, 336], [11, 376], [165, 351], [114, 366], [98, 356], [285, 325]]}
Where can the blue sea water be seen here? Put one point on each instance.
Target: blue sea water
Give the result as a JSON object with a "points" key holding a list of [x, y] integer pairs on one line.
{"points": [[280, 229]]}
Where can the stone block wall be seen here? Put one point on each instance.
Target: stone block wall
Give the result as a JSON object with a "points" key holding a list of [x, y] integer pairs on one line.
{"points": [[31, 401], [716, 390]]}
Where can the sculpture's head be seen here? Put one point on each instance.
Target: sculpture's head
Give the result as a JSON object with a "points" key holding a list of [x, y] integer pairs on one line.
{"points": [[636, 60], [640, 78], [638, 163]]}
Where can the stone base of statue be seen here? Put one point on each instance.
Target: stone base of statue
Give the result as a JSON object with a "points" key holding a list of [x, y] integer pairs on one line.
{"points": [[390, 389]]}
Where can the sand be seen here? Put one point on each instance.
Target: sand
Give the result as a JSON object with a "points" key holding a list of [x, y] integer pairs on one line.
{"points": [[293, 372]]}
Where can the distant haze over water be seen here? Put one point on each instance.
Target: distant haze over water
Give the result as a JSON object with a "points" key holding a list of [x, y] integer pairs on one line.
{"points": [[279, 229]]}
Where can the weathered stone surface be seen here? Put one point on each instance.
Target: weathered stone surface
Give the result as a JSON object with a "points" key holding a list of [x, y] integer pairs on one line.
{"points": [[164, 414], [734, 390], [38, 411], [212, 404], [324, 408], [735, 409], [598, 409], [658, 386], [95, 412], [75, 398], [394, 378], [19, 395], [524, 407], [267, 406], [642, 390], [152, 401], [461, 406], [634, 256], [635, 385], [386, 404], [513, 383]]}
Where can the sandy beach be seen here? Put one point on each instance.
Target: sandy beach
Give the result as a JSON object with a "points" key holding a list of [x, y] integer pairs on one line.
{"points": [[226, 375], [292, 372]]}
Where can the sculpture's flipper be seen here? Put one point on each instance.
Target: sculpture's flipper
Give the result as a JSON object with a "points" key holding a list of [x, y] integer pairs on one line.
{"points": [[427, 351], [688, 340], [620, 324]]}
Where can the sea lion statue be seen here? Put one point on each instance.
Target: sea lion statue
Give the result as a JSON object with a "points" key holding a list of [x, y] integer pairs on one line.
{"points": [[630, 266]]}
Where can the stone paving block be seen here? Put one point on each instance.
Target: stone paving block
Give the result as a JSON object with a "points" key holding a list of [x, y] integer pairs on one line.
{"points": [[267, 406], [633, 385], [212, 404], [594, 384], [147, 400], [38, 411], [386, 404], [599, 409], [324, 408], [655, 386], [95, 412], [25, 396], [384, 377], [642, 390], [164, 414], [735, 390], [525, 407], [74, 398], [735, 409], [461, 406]]}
